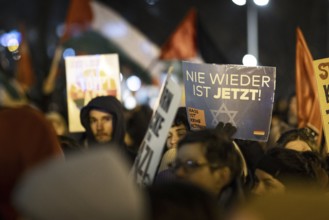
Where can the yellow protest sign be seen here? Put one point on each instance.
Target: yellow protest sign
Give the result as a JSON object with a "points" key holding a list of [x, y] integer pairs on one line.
{"points": [[321, 68]]}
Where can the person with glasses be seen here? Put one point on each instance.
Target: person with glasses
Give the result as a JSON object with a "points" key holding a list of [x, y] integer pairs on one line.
{"points": [[209, 159]]}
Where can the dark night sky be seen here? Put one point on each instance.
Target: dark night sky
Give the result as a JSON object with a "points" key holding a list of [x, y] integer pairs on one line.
{"points": [[223, 36]]}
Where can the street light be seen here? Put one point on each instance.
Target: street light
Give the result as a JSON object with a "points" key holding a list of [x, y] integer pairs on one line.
{"points": [[261, 2], [252, 27], [257, 2], [239, 2], [252, 30], [249, 60]]}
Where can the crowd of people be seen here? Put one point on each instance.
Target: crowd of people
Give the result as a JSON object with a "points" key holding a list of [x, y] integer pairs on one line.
{"points": [[47, 173]]}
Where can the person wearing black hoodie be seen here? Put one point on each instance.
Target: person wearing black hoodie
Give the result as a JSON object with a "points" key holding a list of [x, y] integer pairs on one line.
{"points": [[103, 121]]}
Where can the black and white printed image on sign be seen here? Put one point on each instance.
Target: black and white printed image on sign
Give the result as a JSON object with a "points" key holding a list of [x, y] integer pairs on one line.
{"points": [[236, 94]]}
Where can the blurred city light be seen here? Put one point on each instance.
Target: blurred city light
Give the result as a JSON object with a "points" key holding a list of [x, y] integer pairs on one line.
{"points": [[239, 2], [249, 60], [68, 52], [133, 83], [12, 39], [130, 102], [261, 2], [12, 44]]}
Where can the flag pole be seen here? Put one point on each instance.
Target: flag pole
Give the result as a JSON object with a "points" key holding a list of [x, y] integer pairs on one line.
{"points": [[49, 83]]}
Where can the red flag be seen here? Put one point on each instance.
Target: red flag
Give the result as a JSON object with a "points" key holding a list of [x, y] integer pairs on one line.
{"points": [[182, 43], [308, 106], [25, 73], [78, 19]]}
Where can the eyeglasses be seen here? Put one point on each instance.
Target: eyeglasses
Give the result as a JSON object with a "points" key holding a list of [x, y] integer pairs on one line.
{"points": [[188, 165]]}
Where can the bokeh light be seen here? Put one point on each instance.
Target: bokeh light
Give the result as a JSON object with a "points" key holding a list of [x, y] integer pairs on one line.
{"points": [[239, 2], [68, 52], [11, 40], [12, 44], [130, 102], [249, 60], [261, 2], [133, 83]]}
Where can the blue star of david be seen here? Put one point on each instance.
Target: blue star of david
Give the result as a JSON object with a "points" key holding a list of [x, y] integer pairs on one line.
{"points": [[223, 110]]}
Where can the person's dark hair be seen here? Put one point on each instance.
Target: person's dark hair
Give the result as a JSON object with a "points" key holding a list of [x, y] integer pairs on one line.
{"points": [[137, 123], [252, 152], [326, 160], [220, 152], [219, 149], [181, 118], [181, 200], [319, 165], [288, 166], [314, 158], [303, 134]]}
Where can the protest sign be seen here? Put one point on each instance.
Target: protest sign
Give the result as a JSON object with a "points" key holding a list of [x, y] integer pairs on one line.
{"points": [[150, 152], [321, 68], [87, 77], [236, 94]]}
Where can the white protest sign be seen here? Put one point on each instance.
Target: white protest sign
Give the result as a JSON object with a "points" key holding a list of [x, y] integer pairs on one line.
{"points": [[87, 77], [150, 151]]}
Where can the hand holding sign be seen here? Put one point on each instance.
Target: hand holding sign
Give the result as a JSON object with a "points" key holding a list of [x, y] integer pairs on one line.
{"points": [[227, 128]]}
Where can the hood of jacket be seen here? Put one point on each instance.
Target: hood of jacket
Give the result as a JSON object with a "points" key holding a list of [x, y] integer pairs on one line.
{"points": [[108, 104]]}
